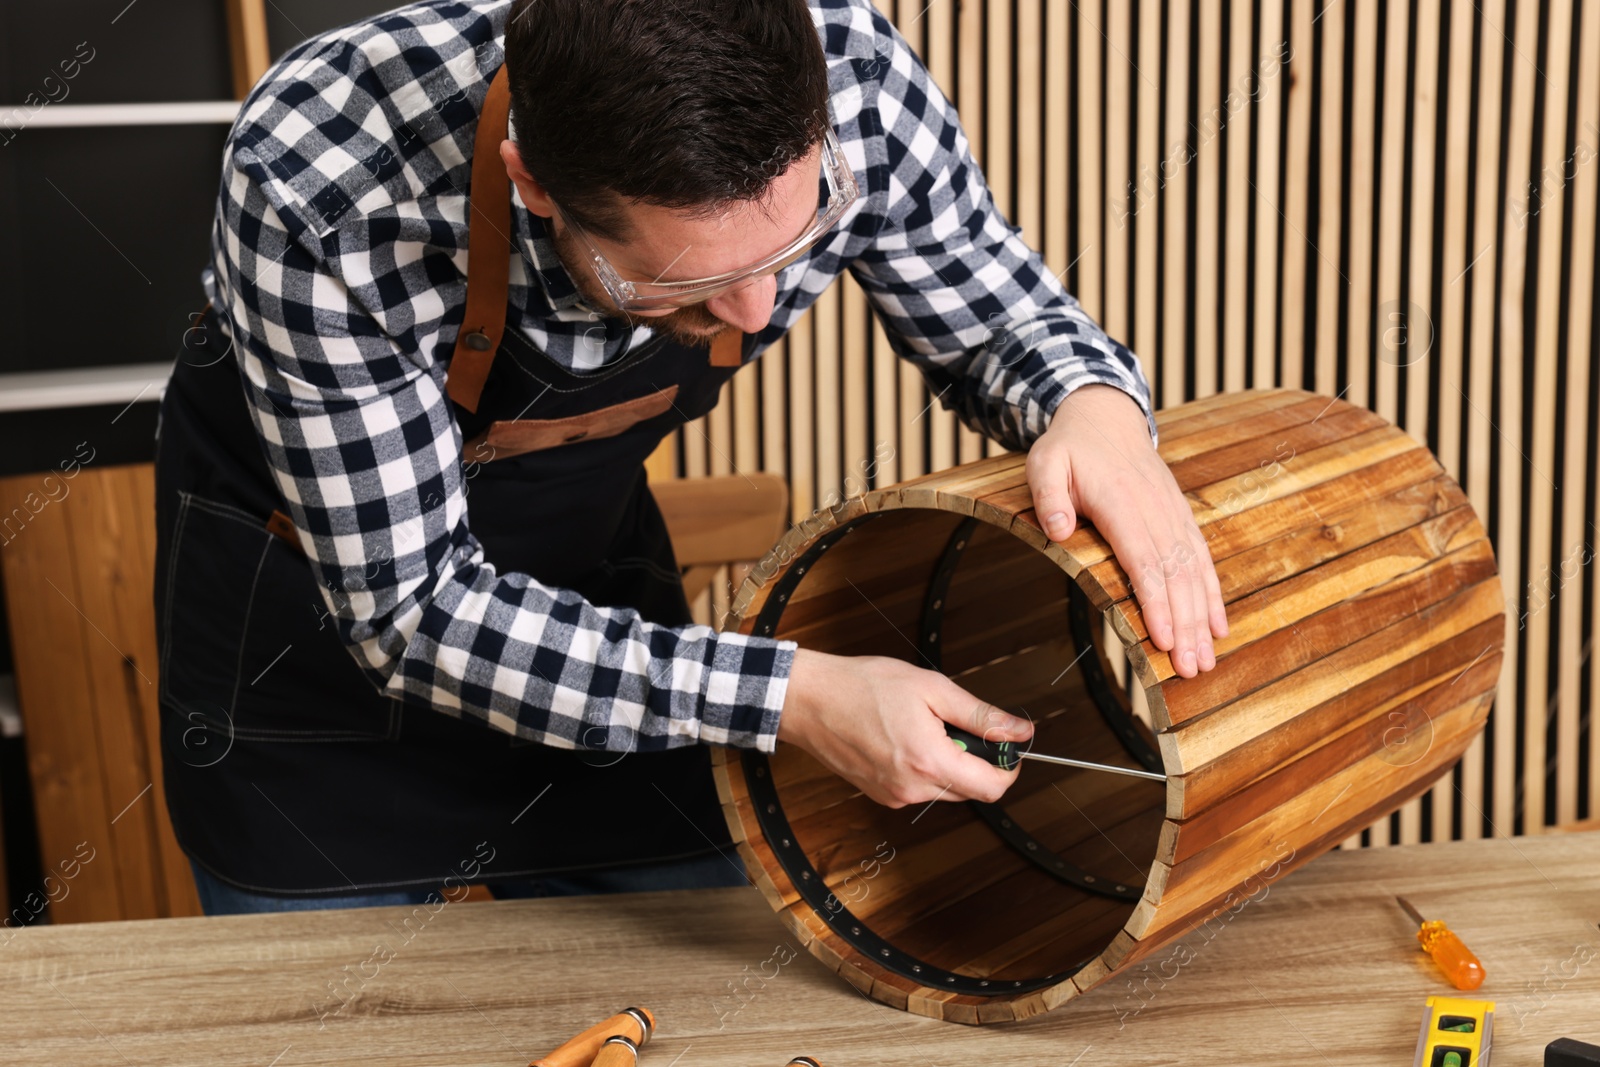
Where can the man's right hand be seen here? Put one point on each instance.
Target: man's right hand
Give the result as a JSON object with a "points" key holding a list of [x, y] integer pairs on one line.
{"points": [[879, 722]]}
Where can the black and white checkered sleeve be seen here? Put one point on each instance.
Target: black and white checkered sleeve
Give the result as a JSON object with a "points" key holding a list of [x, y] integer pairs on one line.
{"points": [[334, 342], [961, 293]]}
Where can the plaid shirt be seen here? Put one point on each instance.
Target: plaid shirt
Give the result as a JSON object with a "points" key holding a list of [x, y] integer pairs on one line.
{"points": [[339, 266]]}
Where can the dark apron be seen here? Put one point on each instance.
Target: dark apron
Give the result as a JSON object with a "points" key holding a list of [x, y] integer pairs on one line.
{"points": [[285, 770]]}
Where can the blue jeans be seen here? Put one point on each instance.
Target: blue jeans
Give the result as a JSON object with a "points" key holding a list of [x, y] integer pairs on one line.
{"points": [[702, 872]]}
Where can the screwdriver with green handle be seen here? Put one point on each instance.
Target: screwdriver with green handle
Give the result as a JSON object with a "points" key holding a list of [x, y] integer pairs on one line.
{"points": [[1005, 755], [1454, 958]]}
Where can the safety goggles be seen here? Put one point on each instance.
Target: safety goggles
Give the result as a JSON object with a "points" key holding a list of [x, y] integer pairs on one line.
{"points": [[659, 295]]}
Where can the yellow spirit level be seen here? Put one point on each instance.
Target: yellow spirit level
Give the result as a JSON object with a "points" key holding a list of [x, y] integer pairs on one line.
{"points": [[1455, 1033]]}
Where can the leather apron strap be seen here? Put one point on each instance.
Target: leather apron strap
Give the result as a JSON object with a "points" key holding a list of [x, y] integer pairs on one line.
{"points": [[488, 252], [489, 260]]}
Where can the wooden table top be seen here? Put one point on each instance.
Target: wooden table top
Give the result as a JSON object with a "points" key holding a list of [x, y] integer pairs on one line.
{"points": [[1324, 970]]}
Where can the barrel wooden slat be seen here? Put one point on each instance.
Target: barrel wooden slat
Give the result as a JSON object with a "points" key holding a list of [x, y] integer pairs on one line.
{"points": [[1365, 605], [1020, 676], [1343, 809], [1272, 448], [868, 825], [1299, 551], [1311, 546], [1401, 727], [1309, 659], [1276, 408], [1273, 518], [958, 484], [954, 861], [1458, 657], [1210, 736], [1267, 420], [902, 907], [1029, 951], [810, 789], [1253, 522], [1090, 919], [1175, 918], [1222, 498], [1351, 575], [942, 838], [1037, 615], [961, 935], [1223, 409], [1325, 802]]}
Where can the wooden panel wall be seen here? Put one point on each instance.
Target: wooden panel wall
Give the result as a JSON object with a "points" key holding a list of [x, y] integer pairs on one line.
{"points": [[78, 549], [1395, 204]]}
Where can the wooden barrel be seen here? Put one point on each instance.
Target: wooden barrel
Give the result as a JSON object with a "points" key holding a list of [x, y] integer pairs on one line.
{"points": [[1366, 629]]}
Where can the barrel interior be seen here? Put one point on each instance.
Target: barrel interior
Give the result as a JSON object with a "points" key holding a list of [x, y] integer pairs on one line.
{"points": [[940, 888]]}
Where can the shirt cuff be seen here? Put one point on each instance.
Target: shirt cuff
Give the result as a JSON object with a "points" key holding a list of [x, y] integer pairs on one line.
{"points": [[1057, 389], [746, 680]]}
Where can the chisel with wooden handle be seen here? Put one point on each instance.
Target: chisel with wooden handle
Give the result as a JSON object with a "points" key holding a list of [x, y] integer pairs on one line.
{"points": [[617, 1051], [635, 1024]]}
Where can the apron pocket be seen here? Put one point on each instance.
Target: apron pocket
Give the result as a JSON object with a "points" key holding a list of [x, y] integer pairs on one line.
{"points": [[251, 654]]}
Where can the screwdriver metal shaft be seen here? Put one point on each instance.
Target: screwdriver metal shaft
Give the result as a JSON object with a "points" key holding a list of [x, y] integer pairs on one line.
{"points": [[1132, 772], [1004, 754]]}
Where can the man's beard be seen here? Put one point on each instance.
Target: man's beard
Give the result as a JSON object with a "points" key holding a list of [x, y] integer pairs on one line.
{"points": [[693, 326]]}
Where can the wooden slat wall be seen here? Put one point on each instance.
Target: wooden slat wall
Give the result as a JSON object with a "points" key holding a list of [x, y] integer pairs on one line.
{"points": [[1325, 194], [78, 582]]}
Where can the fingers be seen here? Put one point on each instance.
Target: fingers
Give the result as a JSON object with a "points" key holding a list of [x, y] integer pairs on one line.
{"points": [[972, 777], [960, 708], [1194, 640], [969, 776], [1050, 477], [1208, 615], [1181, 600], [1217, 611], [1150, 587]]}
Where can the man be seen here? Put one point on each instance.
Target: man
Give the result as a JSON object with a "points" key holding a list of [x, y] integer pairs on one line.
{"points": [[419, 615]]}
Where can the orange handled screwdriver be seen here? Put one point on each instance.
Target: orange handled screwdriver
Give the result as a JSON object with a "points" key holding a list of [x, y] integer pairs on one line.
{"points": [[1454, 958], [635, 1024]]}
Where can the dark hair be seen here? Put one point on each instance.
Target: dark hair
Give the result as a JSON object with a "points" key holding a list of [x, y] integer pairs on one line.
{"points": [[679, 103]]}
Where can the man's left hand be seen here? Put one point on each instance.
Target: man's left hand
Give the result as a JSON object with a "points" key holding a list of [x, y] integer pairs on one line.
{"points": [[1097, 460]]}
